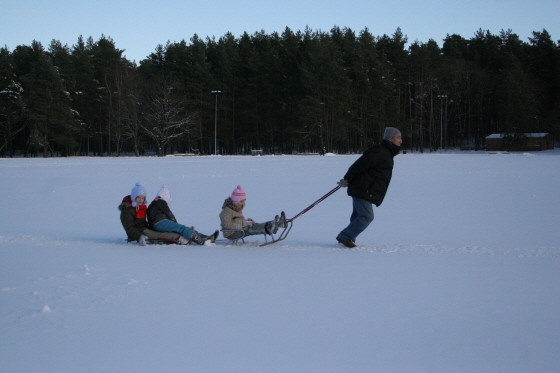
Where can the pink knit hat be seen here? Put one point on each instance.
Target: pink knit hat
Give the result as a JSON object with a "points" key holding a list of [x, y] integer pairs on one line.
{"points": [[238, 194]]}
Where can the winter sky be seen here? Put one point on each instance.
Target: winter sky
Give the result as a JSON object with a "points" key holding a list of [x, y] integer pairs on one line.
{"points": [[139, 26]]}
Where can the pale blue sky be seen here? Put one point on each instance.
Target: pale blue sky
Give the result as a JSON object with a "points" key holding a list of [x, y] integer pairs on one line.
{"points": [[139, 26]]}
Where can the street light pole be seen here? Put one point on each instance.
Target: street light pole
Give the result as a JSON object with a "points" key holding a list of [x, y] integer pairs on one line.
{"points": [[216, 123], [323, 150], [441, 97]]}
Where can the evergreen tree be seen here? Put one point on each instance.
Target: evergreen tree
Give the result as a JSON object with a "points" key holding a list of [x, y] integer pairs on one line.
{"points": [[224, 68], [290, 88], [391, 51], [132, 130], [85, 94], [10, 96], [47, 106], [306, 91], [325, 82], [198, 83], [108, 65], [377, 97], [425, 61], [544, 66]]}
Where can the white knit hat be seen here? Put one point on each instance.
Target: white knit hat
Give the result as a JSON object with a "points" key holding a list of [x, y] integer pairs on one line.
{"points": [[165, 195], [138, 190], [238, 195]]}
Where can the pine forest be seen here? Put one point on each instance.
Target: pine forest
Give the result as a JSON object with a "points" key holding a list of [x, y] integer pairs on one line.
{"points": [[279, 93]]}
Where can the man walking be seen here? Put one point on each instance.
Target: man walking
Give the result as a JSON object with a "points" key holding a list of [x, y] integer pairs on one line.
{"points": [[368, 180]]}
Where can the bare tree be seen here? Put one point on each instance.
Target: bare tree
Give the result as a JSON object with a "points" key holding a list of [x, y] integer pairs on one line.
{"points": [[165, 116], [131, 128]]}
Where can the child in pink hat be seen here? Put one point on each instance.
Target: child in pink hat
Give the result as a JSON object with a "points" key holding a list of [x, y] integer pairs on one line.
{"points": [[235, 225]]}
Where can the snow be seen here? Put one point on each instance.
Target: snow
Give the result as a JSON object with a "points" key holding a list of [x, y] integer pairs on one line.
{"points": [[459, 272], [501, 135]]}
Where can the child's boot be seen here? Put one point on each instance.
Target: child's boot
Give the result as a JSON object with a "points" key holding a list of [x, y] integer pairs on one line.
{"points": [[272, 226], [212, 238], [283, 223], [198, 238]]}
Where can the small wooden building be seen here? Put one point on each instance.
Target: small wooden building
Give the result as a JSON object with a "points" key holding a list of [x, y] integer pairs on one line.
{"points": [[525, 142]]}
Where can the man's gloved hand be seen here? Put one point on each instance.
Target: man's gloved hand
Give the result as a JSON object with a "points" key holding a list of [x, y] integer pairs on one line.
{"points": [[342, 183]]}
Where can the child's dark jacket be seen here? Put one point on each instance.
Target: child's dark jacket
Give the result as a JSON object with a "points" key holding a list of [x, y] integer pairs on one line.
{"points": [[158, 211], [133, 219]]}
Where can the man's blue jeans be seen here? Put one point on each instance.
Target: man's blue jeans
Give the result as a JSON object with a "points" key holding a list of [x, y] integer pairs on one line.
{"points": [[171, 226], [362, 216]]}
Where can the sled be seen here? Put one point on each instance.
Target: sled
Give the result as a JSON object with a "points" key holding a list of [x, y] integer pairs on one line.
{"points": [[155, 241], [281, 236], [290, 222], [286, 230], [235, 241]]}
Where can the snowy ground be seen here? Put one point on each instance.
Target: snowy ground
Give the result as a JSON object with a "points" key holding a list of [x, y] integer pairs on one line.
{"points": [[459, 272]]}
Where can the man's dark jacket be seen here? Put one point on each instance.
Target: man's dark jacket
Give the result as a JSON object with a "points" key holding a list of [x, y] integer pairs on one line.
{"points": [[158, 211], [369, 177]]}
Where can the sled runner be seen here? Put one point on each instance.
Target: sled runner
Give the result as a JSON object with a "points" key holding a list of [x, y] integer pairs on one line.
{"points": [[243, 234], [166, 241], [290, 222], [282, 234], [161, 241], [234, 241]]}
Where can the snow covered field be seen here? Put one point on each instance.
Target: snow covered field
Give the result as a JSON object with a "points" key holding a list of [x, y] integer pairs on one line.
{"points": [[459, 272]]}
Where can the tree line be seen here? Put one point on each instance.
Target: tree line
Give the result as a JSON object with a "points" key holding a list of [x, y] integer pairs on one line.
{"points": [[304, 91]]}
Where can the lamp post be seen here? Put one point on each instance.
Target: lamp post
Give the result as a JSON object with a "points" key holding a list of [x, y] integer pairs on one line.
{"points": [[323, 150], [216, 123], [441, 123]]}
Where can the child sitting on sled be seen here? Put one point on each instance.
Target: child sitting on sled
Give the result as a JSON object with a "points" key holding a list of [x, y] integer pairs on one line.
{"points": [[235, 225], [162, 219], [133, 218]]}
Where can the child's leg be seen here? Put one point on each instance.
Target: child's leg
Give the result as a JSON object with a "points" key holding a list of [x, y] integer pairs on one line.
{"points": [[171, 226], [257, 228]]}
